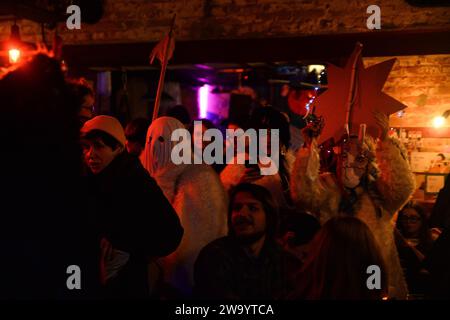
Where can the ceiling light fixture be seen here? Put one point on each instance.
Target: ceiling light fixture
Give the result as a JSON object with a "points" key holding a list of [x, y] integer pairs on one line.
{"points": [[14, 46]]}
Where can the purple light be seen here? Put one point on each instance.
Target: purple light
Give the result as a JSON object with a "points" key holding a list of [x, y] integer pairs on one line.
{"points": [[203, 94]]}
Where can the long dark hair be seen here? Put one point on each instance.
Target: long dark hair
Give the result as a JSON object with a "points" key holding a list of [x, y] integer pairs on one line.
{"points": [[336, 266]]}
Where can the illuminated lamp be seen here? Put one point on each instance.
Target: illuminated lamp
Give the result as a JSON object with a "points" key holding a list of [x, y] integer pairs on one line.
{"points": [[14, 49], [14, 55], [439, 121]]}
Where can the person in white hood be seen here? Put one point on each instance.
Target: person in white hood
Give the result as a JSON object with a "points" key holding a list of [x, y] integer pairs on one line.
{"points": [[197, 195]]}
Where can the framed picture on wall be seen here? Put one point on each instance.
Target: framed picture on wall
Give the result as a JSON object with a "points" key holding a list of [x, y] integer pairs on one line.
{"points": [[434, 182]]}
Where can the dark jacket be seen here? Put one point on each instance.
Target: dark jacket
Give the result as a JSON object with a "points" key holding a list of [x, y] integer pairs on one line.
{"points": [[440, 216], [224, 270], [133, 214], [44, 230], [438, 264]]}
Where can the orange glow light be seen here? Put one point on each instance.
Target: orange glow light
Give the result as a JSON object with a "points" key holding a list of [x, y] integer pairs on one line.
{"points": [[438, 122], [14, 55]]}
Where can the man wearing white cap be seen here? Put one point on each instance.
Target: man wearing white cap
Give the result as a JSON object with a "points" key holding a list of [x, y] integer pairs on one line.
{"points": [[135, 221]]}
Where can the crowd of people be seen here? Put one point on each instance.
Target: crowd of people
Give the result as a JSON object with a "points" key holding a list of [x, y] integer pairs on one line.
{"points": [[80, 189]]}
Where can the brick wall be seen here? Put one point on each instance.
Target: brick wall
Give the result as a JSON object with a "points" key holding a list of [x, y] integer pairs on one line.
{"points": [[423, 84], [145, 20]]}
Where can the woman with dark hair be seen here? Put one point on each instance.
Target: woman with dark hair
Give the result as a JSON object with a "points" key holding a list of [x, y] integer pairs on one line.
{"points": [[337, 263], [412, 223], [84, 97], [413, 240]]}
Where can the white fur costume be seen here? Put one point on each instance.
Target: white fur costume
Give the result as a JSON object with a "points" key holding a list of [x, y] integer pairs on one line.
{"points": [[321, 195]]}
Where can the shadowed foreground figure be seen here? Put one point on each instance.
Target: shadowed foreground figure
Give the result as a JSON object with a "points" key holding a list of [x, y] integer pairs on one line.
{"points": [[336, 267], [43, 229]]}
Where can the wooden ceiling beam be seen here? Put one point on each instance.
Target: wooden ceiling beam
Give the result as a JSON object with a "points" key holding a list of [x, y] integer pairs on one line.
{"points": [[324, 48]]}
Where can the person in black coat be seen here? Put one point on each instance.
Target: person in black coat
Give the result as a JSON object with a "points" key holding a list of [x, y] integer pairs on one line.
{"points": [[440, 216], [136, 222], [438, 264], [438, 260], [44, 228]]}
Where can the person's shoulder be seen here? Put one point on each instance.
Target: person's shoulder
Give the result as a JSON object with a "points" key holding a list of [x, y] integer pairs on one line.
{"points": [[134, 174], [219, 243], [219, 247], [128, 165]]}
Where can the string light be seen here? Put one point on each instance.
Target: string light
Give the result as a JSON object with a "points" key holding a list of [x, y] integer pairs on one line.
{"points": [[401, 113], [316, 89]]}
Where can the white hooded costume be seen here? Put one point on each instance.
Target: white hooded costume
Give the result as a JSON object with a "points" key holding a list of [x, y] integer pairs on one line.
{"points": [[197, 195]]}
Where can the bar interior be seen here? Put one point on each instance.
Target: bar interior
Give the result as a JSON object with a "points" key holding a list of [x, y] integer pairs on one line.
{"points": [[230, 150]]}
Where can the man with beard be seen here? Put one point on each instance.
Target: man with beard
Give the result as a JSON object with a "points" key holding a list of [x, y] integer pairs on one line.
{"points": [[248, 263]]}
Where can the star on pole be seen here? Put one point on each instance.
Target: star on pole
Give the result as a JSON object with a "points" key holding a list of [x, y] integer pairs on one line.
{"points": [[358, 90]]}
